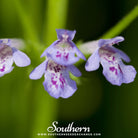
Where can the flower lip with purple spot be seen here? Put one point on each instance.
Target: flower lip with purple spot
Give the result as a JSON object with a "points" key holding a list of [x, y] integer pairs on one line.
{"points": [[57, 80]]}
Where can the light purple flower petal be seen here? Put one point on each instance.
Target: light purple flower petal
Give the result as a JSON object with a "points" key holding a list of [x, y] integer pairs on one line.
{"points": [[38, 71], [70, 88], [20, 58], [129, 73], [62, 86], [93, 61], [116, 40], [49, 49], [78, 52], [65, 34], [6, 67], [110, 42], [10, 69], [74, 70], [63, 58], [112, 72], [121, 54], [6, 72], [62, 53], [57, 82], [118, 73], [103, 42], [52, 91]]}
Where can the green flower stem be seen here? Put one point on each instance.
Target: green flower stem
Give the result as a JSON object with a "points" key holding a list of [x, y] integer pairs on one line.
{"points": [[56, 13], [122, 25]]}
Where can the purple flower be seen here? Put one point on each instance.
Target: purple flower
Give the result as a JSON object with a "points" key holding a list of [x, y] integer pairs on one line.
{"points": [[8, 55], [61, 56], [63, 51], [57, 81], [115, 71]]}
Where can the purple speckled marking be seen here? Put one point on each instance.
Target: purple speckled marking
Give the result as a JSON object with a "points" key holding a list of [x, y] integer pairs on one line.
{"points": [[53, 81], [57, 68], [113, 69], [108, 55], [120, 69], [52, 66], [58, 54], [53, 74], [62, 81], [3, 69], [57, 79], [66, 55], [113, 58], [110, 61]]}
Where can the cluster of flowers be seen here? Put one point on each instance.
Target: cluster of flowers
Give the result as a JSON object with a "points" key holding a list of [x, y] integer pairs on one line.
{"points": [[60, 57]]}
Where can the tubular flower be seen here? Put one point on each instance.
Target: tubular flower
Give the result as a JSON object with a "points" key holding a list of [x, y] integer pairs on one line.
{"points": [[8, 55], [63, 51], [57, 81], [114, 70], [61, 56]]}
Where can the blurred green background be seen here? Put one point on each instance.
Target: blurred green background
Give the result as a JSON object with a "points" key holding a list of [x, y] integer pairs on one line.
{"points": [[26, 109]]}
